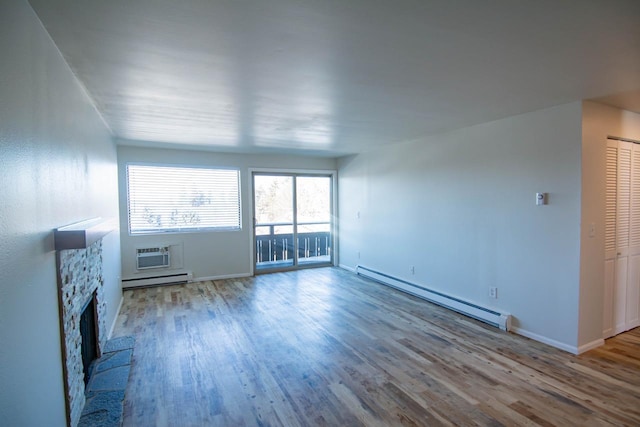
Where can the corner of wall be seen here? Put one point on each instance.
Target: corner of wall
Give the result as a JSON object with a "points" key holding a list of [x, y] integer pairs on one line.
{"points": [[598, 122]]}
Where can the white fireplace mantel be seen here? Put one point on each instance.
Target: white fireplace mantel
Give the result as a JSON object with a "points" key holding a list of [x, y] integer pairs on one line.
{"points": [[81, 235]]}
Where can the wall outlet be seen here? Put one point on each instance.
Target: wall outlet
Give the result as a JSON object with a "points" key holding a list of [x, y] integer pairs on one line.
{"points": [[493, 292], [413, 270]]}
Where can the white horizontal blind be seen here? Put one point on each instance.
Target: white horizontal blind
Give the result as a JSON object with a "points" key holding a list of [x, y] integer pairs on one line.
{"points": [[172, 199]]}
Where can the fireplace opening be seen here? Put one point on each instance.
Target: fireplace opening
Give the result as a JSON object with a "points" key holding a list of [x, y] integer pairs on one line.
{"points": [[89, 337]]}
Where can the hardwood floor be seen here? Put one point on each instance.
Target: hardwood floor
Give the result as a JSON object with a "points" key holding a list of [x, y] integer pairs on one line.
{"points": [[325, 347]]}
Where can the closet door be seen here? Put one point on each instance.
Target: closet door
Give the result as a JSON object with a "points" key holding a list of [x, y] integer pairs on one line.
{"points": [[622, 239], [610, 237], [623, 189], [632, 309]]}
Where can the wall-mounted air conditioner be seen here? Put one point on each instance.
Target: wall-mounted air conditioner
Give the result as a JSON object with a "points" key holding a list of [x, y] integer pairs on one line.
{"points": [[156, 257]]}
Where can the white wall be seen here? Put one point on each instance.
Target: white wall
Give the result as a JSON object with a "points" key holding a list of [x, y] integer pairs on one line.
{"points": [[460, 207], [57, 166], [206, 254], [598, 122]]}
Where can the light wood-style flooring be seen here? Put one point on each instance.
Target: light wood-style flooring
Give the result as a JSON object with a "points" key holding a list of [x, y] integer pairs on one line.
{"points": [[325, 347]]}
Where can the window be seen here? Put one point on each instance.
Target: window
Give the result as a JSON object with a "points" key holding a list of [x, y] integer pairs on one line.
{"points": [[175, 199]]}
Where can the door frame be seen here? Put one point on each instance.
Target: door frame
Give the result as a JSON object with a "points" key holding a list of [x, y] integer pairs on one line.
{"points": [[334, 212]]}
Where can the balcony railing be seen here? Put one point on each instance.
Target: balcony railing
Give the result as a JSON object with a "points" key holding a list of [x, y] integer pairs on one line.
{"points": [[274, 243]]}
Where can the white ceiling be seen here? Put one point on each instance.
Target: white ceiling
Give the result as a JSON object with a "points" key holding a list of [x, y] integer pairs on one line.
{"points": [[334, 77]]}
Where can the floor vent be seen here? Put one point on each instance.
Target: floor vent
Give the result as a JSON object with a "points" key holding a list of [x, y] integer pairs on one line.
{"points": [[165, 279], [486, 315]]}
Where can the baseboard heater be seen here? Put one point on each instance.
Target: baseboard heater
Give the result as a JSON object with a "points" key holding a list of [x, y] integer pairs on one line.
{"points": [[165, 279], [483, 314]]}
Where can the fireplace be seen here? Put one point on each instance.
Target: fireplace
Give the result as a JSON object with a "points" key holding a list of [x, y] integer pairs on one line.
{"points": [[88, 336], [82, 320]]}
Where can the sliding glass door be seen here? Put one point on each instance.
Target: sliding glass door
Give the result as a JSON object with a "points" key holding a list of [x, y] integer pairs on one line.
{"points": [[292, 220], [313, 219], [273, 221]]}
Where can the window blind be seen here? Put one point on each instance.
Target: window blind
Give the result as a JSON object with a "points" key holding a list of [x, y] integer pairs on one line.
{"points": [[174, 199]]}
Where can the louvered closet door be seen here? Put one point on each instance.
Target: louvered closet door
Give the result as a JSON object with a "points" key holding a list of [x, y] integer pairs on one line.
{"points": [[610, 238], [622, 238], [633, 279]]}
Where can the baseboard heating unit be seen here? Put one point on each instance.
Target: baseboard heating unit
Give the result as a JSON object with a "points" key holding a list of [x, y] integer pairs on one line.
{"points": [[486, 315], [164, 279]]}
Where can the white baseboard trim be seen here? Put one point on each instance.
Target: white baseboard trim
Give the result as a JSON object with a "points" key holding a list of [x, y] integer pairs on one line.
{"points": [[590, 346], [221, 277], [545, 340], [346, 267], [115, 319]]}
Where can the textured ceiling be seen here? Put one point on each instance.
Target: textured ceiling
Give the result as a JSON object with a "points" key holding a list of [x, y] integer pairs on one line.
{"points": [[334, 77]]}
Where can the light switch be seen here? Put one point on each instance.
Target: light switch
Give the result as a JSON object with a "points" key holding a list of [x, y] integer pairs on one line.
{"points": [[541, 199]]}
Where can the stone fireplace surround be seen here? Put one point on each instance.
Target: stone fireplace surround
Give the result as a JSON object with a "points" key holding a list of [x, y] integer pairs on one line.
{"points": [[79, 280], [79, 262]]}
